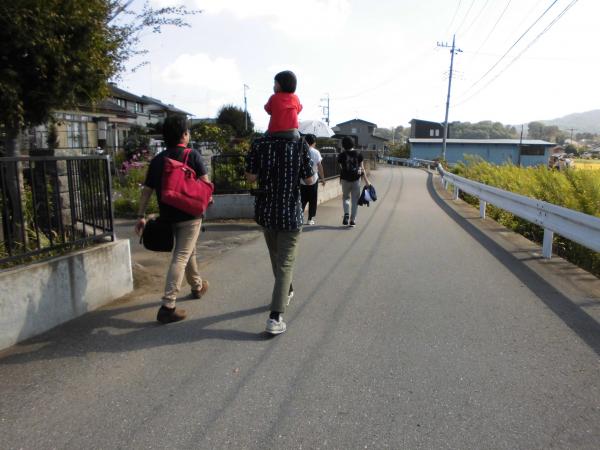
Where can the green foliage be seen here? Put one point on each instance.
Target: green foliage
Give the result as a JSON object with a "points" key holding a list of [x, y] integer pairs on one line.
{"points": [[550, 133], [137, 139], [399, 150], [127, 191], [481, 130], [578, 190], [218, 136], [60, 53], [233, 116]]}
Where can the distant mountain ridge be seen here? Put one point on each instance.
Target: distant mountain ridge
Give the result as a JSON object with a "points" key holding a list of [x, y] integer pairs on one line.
{"points": [[584, 122]]}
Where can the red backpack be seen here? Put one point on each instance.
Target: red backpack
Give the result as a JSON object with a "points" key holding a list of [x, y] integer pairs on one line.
{"points": [[182, 190]]}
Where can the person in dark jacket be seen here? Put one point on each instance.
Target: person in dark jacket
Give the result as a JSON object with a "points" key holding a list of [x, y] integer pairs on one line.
{"points": [[352, 170], [185, 227]]}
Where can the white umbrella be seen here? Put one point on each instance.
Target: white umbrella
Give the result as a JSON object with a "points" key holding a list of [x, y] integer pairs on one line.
{"points": [[316, 127]]}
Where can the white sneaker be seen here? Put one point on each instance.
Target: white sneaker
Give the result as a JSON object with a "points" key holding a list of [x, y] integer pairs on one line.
{"points": [[275, 326], [289, 299], [310, 222]]}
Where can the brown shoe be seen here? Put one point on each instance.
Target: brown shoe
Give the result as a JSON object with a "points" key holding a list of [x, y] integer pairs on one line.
{"points": [[169, 315], [198, 293]]}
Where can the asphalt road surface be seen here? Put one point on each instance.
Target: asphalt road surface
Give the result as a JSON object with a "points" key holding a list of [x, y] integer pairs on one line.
{"points": [[413, 330]]}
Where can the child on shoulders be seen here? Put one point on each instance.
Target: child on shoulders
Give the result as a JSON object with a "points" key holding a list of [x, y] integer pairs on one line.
{"points": [[283, 107]]}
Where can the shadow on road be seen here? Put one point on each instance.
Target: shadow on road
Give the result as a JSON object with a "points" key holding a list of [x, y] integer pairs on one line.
{"points": [[103, 331], [585, 326]]}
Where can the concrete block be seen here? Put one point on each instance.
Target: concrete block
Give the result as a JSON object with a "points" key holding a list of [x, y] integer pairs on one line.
{"points": [[40, 296]]}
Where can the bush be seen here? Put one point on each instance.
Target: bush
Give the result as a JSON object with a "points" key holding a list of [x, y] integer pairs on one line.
{"points": [[126, 194], [576, 190]]}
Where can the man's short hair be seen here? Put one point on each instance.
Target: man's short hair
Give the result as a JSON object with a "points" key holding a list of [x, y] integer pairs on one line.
{"points": [[310, 139], [174, 127], [347, 143]]}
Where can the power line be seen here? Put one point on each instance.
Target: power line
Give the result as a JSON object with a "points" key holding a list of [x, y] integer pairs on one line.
{"points": [[550, 25], [511, 47], [454, 16], [465, 17], [476, 17], [493, 28]]}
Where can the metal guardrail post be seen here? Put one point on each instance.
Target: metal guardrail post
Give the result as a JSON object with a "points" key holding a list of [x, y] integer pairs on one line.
{"points": [[482, 206], [456, 192], [547, 245]]}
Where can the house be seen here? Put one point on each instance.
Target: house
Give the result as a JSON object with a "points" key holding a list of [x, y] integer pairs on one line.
{"points": [[426, 129], [105, 126], [158, 111], [83, 130], [362, 133], [496, 151]]}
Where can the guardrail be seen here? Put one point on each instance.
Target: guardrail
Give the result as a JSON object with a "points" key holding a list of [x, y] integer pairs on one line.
{"points": [[409, 162], [574, 225]]}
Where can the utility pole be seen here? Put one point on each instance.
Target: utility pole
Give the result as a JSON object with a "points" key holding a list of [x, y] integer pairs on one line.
{"points": [[325, 109], [246, 87], [572, 129], [453, 51]]}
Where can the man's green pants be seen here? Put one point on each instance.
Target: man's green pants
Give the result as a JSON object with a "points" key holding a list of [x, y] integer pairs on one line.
{"points": [[282, 250]]}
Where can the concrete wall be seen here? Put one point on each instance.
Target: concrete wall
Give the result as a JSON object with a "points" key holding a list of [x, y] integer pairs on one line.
{"points": [[38, 297], [241, 206]]}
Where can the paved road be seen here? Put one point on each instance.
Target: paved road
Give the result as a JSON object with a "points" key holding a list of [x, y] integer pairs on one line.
{"points": [[413, 330]]}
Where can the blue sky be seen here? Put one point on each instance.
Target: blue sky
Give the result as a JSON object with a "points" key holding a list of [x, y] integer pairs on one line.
{"points": [[378, 60]]}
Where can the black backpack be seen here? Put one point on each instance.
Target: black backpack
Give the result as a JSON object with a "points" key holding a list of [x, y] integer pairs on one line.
{"points": [[350, 167]]}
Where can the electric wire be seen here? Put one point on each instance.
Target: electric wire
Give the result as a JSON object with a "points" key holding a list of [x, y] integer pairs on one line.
{"points": [[465, 17], [550, 25], [511, 47], [454, 16], [476, 17], [493, 28]]}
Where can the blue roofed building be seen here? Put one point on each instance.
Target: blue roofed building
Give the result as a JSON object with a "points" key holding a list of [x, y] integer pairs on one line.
{"points": [[527, 152]]}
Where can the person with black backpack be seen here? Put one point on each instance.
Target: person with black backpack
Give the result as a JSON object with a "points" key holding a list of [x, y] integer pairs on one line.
{"points": [[352, 170]]}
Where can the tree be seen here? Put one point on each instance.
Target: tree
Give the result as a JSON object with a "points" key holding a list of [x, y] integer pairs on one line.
{"points": [[56, 54], [60, 53], [215, 136], [236, 118]]}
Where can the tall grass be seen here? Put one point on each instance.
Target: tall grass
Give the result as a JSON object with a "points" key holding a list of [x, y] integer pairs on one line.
{"points": [[578, 190]]}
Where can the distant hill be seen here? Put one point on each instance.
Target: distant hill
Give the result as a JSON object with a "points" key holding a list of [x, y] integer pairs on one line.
{"points": [[585, 122]]}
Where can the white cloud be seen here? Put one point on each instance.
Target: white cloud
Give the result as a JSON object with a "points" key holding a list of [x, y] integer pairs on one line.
{"points": [[199, 70], [306, 19]]}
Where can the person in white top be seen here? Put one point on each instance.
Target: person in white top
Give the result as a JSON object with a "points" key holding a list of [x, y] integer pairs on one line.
{"points": [[309, 193]]}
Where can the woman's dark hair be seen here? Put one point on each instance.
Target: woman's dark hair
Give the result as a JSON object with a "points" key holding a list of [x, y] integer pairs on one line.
{"points": [[347, 143], [287, 81], [310, 139], [174, 127]]}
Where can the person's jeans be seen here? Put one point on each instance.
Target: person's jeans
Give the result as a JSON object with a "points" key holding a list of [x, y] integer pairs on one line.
{"points": [[183, 261], [309, 194], [282, 247], [350, 189]]}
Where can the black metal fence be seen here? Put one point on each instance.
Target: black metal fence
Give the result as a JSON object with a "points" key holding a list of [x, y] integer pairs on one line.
{"points": [[228, 174], [52, 203], [331, 168]]}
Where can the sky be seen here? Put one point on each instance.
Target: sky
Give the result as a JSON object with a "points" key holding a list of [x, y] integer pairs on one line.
{"points": [[379, 61]]}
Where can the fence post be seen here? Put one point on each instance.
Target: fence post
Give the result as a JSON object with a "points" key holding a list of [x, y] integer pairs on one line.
{"points": [[482, 205], [456, 192], [547, 247]]}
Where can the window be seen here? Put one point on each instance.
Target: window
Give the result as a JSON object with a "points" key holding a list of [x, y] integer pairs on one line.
{"points": [[437, 133], [353, 131], [120, 102], [370, 129], [431, 132], [77, 135], [533, 150], [139, 107]]}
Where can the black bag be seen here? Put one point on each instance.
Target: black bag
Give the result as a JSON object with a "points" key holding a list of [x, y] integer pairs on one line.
{"points": [[158, 236]]}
